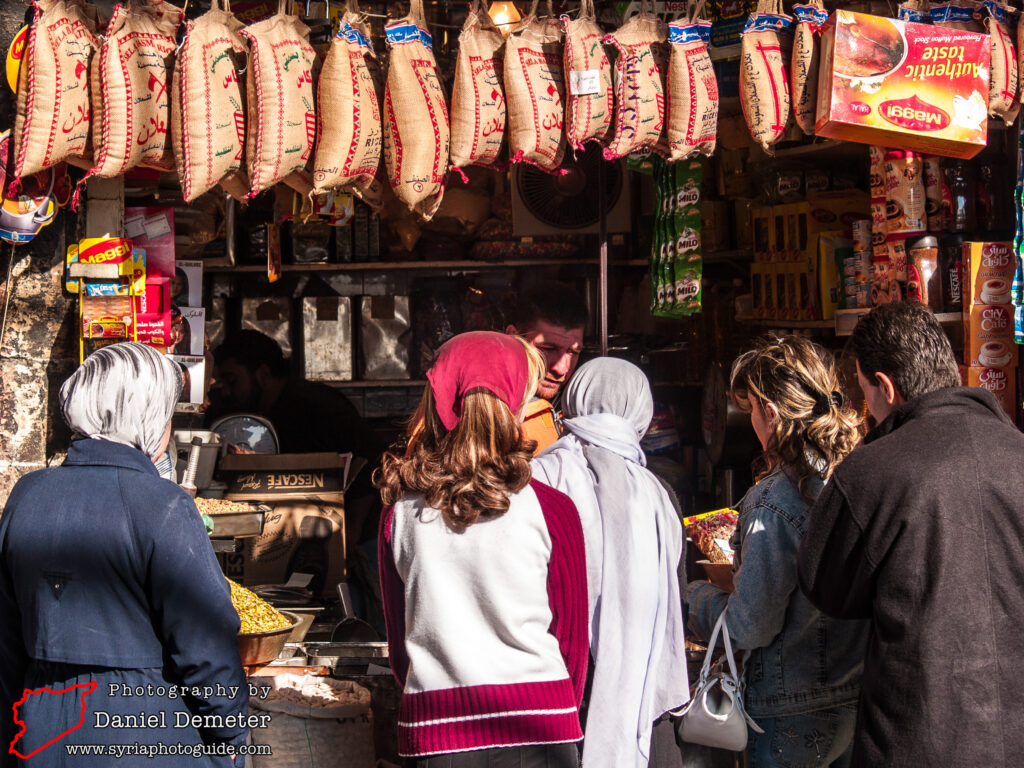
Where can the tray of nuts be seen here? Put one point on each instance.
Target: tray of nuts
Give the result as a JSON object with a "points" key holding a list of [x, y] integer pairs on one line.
{"points": [[233, 519]]}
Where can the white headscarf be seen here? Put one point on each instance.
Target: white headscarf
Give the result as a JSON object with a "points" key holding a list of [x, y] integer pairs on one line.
{"points": [[124, 393], [634, 540]]}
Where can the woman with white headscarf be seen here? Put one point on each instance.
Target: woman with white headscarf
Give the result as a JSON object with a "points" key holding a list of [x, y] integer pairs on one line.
{"points": [[116, 625], [633, 538]]}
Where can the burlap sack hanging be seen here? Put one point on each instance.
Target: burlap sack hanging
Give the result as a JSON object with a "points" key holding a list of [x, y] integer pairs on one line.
{"points": [[765, 49], [640, 70], [53, 119], [692, 88], [588, 74], [416, 130], [281, 127], [478, 96], [1004, 71], [133, 77], [535, 89], [350, 137], [208, 102], [804, 65]]}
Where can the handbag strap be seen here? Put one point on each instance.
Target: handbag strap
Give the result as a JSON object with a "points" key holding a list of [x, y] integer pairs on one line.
{"points": [[720, 627]]}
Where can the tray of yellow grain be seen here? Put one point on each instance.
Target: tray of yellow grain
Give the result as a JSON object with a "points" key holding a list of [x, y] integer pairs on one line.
{"points": [[233, 519]]}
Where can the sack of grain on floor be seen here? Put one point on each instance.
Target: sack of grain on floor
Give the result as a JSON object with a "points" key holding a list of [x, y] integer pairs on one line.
{"points": [[692, 89], [804, 67], [207, 102], [281, 124], [535, 89], [588, 74], [478, 96], [350, 136], [765, 48], [640, 70], [416, 131], [53, 114], [133, 75], [1004, 72]]}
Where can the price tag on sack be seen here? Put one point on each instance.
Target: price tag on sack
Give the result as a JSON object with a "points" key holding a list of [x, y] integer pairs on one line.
{"points": [[585, 82]]}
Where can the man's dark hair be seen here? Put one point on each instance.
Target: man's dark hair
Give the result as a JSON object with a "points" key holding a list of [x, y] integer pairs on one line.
{"points": [[253, 349], [554, 303], [904, 341]]}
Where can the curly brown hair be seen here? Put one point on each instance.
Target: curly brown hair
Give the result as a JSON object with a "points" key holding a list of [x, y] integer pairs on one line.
{"points": [[470, 471], [815, 429]]}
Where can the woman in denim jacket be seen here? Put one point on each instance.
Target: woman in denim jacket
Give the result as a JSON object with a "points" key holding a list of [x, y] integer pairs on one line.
{"points": [[802, 668]]}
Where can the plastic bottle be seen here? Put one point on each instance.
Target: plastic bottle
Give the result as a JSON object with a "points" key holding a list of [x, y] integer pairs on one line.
{"points": [[960, 178]]}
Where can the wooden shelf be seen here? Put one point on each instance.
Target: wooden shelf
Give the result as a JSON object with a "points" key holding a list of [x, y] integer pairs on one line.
{"points": [[821, 146], [949, 318], [383, 266], [765, 323]]}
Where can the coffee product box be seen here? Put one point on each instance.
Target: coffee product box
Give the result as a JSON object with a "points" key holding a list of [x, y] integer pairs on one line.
{"points": [[901, 84], [988, 270], [1000, 381], [988, 336]]}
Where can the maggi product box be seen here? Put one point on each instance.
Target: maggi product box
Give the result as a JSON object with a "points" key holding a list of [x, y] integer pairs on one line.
{"points": [[1000, 381], [988, 336], [988, 270], [899, 84]]}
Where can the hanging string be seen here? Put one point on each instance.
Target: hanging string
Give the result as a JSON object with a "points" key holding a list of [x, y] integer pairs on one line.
{"points": [[7, 298], [428, 23]]}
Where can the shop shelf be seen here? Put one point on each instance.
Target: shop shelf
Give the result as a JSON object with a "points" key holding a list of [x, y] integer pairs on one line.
{"points": [[949, 318], [382, 266], [788, 323]]}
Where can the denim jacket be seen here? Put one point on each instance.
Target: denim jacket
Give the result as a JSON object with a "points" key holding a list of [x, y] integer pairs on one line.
{"points": [[798, 660]]}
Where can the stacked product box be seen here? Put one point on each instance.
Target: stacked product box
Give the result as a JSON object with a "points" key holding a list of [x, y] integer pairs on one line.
{"points": [[990, 357], [792, 277]]}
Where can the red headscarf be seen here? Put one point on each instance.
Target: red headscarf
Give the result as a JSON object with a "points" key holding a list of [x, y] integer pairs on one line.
{"points": [[484, 359]]}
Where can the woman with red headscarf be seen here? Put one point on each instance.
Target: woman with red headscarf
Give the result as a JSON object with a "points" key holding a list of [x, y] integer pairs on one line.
{"points": [[482, 573]]}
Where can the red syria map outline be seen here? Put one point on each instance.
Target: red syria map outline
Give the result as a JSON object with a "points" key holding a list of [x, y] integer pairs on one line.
{"points": [[87, 688]]}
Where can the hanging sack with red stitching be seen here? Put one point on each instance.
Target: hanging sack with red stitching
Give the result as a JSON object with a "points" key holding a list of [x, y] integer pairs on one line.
{"points": [[350, 138], [1004, 73], [478, 96], [804, 67], [281, 125], [53, 115], [640, 70], [133, 80], [208, 103], [765, 48], [416, 130], [535, 89], [692, 88], [588, 75]]}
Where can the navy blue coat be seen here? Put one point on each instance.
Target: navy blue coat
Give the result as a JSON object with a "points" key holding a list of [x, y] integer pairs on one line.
{"points": [[107, 576]]}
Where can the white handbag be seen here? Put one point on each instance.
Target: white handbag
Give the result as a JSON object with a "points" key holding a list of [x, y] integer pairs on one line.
{"points": [[715, 716]]}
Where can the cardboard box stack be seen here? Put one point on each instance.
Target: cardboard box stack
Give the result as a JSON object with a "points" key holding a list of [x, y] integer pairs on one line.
{"points": [[990, 355], [793, 276]]}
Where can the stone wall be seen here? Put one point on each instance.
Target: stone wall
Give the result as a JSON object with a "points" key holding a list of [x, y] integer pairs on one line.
{"points": [[39, 348]]}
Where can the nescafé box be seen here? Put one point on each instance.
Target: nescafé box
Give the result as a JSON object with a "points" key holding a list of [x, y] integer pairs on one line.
{"points": [[898, 84]]}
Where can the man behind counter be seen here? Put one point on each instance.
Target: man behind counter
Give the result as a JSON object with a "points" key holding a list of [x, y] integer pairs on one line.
{"points": [[552, 317]]}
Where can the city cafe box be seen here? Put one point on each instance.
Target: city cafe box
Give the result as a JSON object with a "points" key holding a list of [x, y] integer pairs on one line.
{"points": [[898, 84]]}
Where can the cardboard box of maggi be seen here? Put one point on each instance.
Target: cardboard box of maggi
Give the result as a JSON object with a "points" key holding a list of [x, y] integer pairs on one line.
{"points": [[988, 270], [988, 336], [1000, 381], [899, 84]]}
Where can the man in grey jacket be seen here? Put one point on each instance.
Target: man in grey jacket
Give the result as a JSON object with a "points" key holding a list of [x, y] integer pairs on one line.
{"points": [[920, 530]]}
